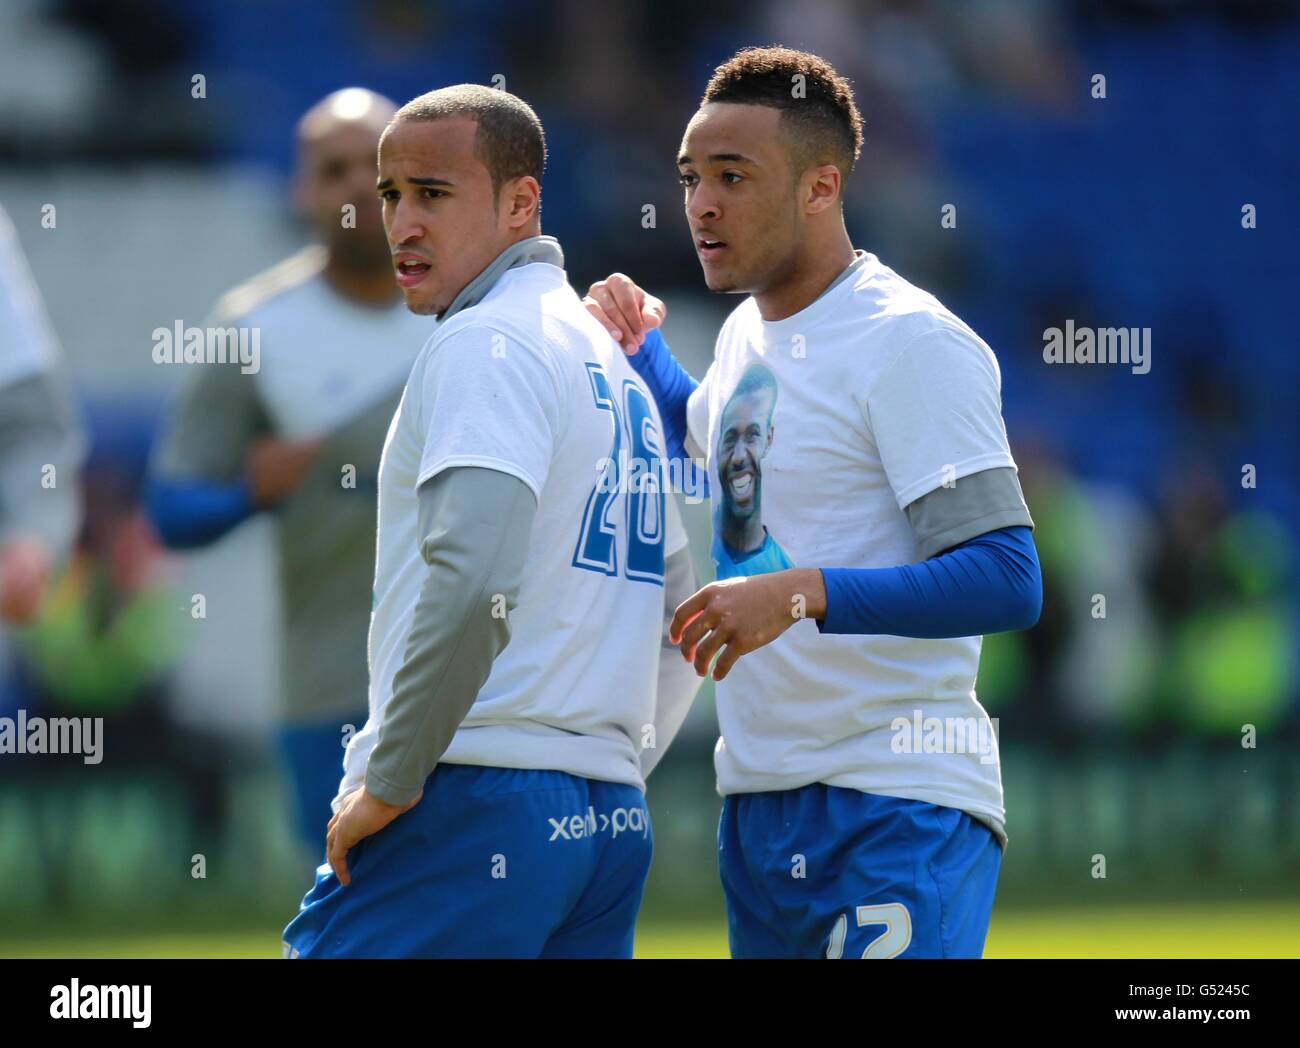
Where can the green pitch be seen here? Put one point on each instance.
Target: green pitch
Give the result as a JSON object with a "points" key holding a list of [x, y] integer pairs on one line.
{"points": [[1226, 930]]}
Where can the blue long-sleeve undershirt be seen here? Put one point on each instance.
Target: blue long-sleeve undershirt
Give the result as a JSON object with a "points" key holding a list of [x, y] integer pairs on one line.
{"points": [[671, 386], [189, 513], [988, 584]]}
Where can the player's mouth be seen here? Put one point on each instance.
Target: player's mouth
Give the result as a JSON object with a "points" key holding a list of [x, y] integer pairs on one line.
{"points": [[708, 247], [741, 485], [410, 269]]}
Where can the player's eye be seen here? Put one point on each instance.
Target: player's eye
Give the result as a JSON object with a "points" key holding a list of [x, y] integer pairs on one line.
{"points": [[433, 194], [388, 194], [731, 178], [687, 179]]}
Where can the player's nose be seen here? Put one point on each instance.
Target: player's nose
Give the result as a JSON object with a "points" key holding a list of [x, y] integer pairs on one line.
{"points": [[703, 206], [406, 227]]}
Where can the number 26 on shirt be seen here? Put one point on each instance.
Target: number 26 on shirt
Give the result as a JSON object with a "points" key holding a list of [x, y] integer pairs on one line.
{"points": [[629, 489]]}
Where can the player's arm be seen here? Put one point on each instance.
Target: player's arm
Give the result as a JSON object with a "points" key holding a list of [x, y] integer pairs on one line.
{"points": [[677, 681], [633, 318], [475, 524], [936, 418], [988, 584], [984, 582], [216, 464]]}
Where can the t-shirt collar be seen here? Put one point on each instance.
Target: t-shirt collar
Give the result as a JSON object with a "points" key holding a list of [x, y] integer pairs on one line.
{"points": [[534, 249], [861, 259]]}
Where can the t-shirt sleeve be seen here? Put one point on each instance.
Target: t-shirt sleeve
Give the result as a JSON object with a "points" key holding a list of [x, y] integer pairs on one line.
{"points": [[935, 413], [489, 400]]}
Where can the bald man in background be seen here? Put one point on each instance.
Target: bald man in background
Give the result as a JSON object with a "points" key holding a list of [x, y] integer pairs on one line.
{"points": [[302, 435]]}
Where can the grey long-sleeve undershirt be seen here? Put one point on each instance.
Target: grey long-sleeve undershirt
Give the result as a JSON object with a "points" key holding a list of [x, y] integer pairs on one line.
{"points": [[475, 525]]}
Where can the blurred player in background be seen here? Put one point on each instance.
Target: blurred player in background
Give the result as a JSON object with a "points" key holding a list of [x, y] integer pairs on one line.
{"points": [[493, 805], [40, 442], [845, 832], [302, 434]]}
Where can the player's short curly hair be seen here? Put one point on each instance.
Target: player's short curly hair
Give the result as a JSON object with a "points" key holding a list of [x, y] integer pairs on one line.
{"points": [[509, 140], [816, 103]]}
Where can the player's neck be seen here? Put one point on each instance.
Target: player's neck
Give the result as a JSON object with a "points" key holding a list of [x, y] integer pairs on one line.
{"points": [[812, 274], [749, 537], [372, 286]]}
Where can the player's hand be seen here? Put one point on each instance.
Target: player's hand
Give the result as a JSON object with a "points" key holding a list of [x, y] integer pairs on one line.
{"points": [[277, 466], [24, 570], [624, 310], [360, 815], [737, 616]]}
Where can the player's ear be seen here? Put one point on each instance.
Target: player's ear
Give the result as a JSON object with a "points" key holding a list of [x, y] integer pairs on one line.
{"points": [[521, 201], [822, 186]]}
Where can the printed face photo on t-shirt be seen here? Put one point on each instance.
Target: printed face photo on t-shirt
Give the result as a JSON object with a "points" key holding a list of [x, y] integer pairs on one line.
{"points": [[742, 545]]}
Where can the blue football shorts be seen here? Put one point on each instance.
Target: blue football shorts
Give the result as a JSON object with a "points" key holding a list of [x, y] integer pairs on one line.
{"points": [[492, 862], [823, 871]]}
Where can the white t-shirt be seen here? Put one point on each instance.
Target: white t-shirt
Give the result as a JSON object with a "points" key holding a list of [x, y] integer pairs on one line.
{"points": [[528, 383], [881, 395]]}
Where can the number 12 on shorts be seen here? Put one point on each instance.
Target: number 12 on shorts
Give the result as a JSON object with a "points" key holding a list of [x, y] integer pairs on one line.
{"points": [[893, 940], [630, 478]]}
